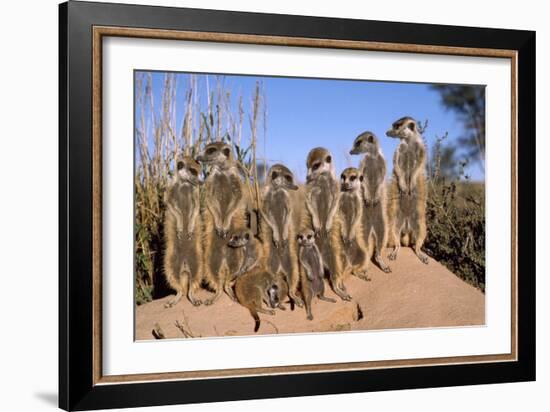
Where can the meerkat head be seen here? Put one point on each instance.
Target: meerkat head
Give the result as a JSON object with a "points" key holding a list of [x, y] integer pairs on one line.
{"points": [[319, 161], [306, 238], [239, 239], [188, 170], [280, 176], [216, 154], [366, 142], [350, 179], [404, 128]]}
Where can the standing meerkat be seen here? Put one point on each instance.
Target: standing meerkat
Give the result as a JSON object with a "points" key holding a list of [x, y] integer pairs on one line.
{"points": [[350, 221], [280, 249], [225, 211], [408, 189], [259, 287], [375, 219], [250, 257], [322, 196], [182, 256], [311, 260]]}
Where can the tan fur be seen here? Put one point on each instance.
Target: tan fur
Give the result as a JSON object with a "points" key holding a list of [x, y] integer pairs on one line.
{"points": [[184, 283]]}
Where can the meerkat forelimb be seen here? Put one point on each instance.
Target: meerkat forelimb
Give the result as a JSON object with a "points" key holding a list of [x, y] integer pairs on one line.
{"points": [[311, 260], [277, 212], [225, 212], [257, 288], [350, 216], [182, 257], [408, 198], [375, 220]]}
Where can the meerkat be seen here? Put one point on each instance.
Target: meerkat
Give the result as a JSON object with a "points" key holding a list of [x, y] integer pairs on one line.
{"points": [[322, 196], [350, 216], [225, 211], [259, 287], [408, 189], [277, 212], [250, 259], [311, 260], [375, 218], [182, 257]]}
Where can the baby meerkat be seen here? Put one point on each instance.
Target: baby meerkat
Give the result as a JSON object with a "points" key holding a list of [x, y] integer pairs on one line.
{"points": [[408, 189], [351, 227], [259, 287], [182, 257], [313, 284], [280, 249], [225, 211], [375, 220], [250, 257], [322, 196]]}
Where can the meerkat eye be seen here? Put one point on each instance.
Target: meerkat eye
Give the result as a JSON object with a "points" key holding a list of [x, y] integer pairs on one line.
{"points": [[288, 178], [309, 236], [411, 126], [361, 178], [211, 150], [274, 175], [180, 165], [247, 236], [226, 152], [328, 159], [194, 172], [358, 143], [353, 178], [370, 139], [343, 177], [316, 166]]}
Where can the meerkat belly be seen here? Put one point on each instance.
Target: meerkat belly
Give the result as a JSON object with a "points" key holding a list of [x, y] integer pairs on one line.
{"points": [[183, 198], [321, 199], [347, 207], [372, 172], [221, 185], [407, 162], [280, 199]]}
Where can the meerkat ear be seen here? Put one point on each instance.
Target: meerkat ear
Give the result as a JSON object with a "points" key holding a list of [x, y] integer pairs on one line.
{"points": [[411, 126], [328, 159]]}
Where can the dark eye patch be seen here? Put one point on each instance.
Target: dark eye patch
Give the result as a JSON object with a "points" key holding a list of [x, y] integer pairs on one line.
{"points": [[316, 166], [288, 178], [358, 143], [226, 152], [343, 177], [328, 159], [411, 126], [352, 178], [309, 236], [247, 236], [211, 150], [194, 172], [371, 139], [274, 175], [361, 178], [180, 165]]}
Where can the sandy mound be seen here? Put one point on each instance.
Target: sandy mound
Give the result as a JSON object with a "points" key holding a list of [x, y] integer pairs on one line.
{"points": [[414, 295]]}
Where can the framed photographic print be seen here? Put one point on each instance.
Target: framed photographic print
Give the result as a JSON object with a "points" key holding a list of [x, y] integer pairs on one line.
{"points": [[257, 205]]}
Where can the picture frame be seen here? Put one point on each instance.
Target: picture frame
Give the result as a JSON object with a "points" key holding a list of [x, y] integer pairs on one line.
{"points": [[82, 28]]}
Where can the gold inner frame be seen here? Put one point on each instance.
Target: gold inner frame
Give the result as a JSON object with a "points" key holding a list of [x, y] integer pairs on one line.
{"points": [[101, 31]]}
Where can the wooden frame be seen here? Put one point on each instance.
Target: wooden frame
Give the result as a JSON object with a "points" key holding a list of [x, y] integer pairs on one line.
{"points": [[82, 27]]}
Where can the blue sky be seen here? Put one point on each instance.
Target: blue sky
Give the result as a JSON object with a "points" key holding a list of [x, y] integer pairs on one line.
{"points": [[303, 113]]}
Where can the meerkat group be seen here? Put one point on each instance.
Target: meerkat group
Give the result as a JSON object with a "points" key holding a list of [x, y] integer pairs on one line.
{"points": [[343, 225]]}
